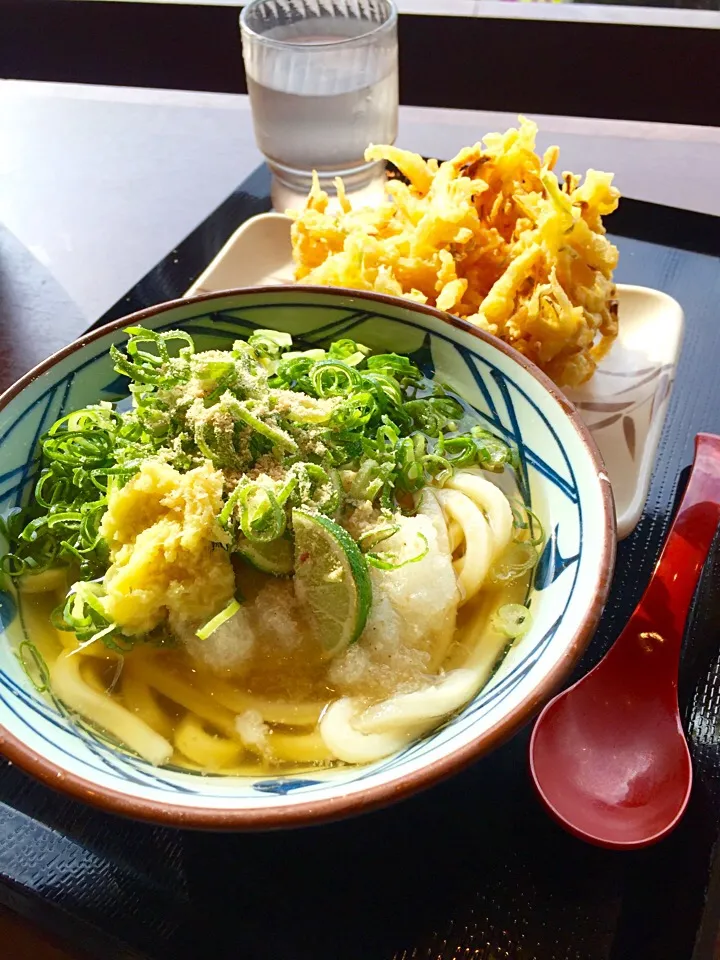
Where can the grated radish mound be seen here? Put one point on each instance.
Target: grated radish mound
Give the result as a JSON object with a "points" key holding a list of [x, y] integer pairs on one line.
{"points": [[270, 623], [413, 611], [228, 649]]}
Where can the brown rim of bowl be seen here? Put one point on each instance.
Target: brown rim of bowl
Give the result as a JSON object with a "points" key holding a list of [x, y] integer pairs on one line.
{"points": [[310, 812]]}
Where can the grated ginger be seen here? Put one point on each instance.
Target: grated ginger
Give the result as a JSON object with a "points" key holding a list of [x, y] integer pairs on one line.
{"points": [[163, 537]]}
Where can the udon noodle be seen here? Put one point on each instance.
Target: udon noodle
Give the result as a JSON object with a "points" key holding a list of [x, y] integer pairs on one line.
{"points": [[316, 598]]}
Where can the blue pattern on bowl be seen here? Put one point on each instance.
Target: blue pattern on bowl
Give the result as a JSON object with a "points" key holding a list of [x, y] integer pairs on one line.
{"points": [[8, 610], [285, 786], [551, 563]]}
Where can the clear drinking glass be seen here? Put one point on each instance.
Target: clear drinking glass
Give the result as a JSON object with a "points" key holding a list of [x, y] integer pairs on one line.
{"points": [[323, 82]]}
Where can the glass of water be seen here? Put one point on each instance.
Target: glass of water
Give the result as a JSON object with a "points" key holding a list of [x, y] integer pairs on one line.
{"points": [[323, 82]]}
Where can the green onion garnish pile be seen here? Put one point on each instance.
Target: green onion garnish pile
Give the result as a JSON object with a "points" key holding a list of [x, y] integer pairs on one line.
{"points": [[321, 430]]}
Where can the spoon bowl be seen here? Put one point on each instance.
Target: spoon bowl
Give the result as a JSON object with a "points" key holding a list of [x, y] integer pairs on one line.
{"points": [[608, 756], [605, 788]]}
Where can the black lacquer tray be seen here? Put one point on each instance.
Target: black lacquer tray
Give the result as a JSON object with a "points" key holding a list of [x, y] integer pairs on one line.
{"points": [[472, 869]]}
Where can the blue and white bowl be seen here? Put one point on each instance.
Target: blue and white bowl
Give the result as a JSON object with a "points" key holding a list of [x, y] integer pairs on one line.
{"points": [[561, 476]]}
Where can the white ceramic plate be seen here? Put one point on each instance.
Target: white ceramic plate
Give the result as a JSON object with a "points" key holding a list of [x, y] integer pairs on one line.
{"points": [[624, 404]]}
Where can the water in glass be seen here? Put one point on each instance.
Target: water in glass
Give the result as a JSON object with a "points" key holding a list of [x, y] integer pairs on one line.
{"points": [[323, 84]]}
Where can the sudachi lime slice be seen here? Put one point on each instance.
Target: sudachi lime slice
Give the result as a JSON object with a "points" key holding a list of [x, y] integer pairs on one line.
{"points": [[275, 557], [333, 580]]}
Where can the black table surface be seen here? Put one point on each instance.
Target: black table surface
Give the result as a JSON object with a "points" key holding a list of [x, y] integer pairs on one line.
{"points": [[470, 869]]}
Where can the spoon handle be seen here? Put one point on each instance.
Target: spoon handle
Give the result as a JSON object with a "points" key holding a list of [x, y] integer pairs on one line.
{"points": [[658, 623]]}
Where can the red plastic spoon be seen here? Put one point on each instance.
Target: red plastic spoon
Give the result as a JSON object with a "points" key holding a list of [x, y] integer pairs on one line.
{"points": [[608, 755]]}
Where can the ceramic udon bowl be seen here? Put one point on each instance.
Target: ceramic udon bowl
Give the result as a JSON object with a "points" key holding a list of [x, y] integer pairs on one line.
{"points": [[561, 475]]}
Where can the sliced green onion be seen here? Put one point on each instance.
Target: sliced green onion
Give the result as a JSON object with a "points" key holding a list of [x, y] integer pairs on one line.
{"points": [[527, 524], [319, 486], [86, 594], [99, 635], [515, 562], [33, 663], [439, 468], [333, 378], [224, 519], [356, 411], [218, 445], [279, 337], [411, 476], [401, 368], [218, 620], [367, 482], [121, 644], [387, 435], [261, 517], [275, 435], [459, 451], [143, 335], [349, 351], [386, 561], [512, 619], [386, 386], [434, 414], [315, 354], [269, 343], [371, 538], [492, 454], [287, 489]]}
